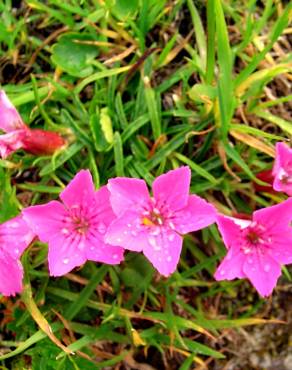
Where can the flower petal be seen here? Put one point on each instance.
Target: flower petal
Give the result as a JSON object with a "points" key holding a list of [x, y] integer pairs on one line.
{"points": [[278, 216], [10, 142], [231, 266], [97, 250], [127, 232], [173, 188], [163, 251], [263, 272], [127, 193], [10, 120], [11, 274], [230, 229], [195, 216], [80, 190], [65, 253], [282, 169], [46, 220], [103, 206], [280, 248], [15, 236]]}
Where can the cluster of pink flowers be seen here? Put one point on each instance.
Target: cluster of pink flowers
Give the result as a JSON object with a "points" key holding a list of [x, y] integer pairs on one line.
{"points": [[100, 225]]}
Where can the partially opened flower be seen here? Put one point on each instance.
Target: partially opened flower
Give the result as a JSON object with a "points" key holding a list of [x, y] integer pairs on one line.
{"points": [[257, 248], [19, 136], [282, 170], [15, 236], [155, 225], [75, 228]]}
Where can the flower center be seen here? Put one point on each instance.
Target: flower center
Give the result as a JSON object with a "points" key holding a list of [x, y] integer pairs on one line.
{"points": [[252, 237], [153, 218], [255, 236], [80, 225]]}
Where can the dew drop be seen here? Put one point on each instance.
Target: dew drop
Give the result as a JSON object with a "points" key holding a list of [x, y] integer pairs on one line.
{"points": [[155, 231], [267, 268], [119, 240], [171, 225], [16, 250], [250, 260], [101, 228], [125, 232], [14, 224], [169, 258], [129, 225], [171, 237], [65, 231], [152, 241], [222, 272], [134, 233], [66, 261], [115, 256]]}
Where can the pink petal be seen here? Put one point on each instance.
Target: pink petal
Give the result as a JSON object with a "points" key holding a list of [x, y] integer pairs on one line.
{"points": [[65, 253], [10, 120], [230, 229], [274, 217], [280, 248], [163, 251], [102, 203], [263, 272], [15, 236], [282, 168], [195, 216], [10, 142], [80, 190], [173, 188], [127, 193], [11, 274], [231, 266], [127, 232], [46, 220], [97, 250]]}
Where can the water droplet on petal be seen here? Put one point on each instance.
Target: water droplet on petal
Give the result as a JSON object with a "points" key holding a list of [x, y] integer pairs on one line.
{"points": [[125, 232], [119, 240], [65, 231], [152, 241], [171, 237], [250, 260], [154, 231], [129, 225], [171, 225], [267, 268], [101, 228], [16, 250], [169, 258], [14, 224], [66, 261], [222, 272], [115, 256], [134, 233]]}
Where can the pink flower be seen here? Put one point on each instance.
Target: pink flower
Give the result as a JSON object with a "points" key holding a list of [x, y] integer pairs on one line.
{"points": [[18, 135], [155, 224], [257, 248], [15, 236], [282, 169], [75, 229]]}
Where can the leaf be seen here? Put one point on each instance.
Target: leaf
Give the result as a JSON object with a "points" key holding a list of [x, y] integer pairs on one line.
{"points": [[125, 8], [202, 93], [73, 56]]}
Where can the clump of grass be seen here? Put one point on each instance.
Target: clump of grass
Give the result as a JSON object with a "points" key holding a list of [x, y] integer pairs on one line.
{"points": [[138, 88]]}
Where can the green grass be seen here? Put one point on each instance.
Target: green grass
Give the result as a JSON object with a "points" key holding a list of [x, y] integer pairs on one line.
{"points": [[186, 85]]}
